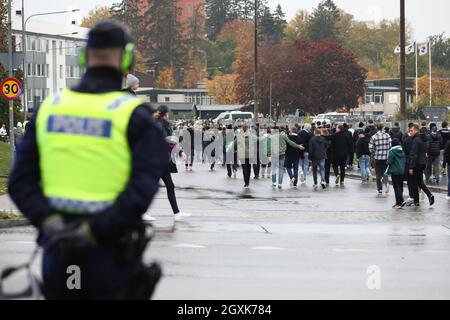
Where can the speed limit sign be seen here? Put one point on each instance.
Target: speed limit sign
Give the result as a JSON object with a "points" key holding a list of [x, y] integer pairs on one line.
{"points": [[11, 88]]}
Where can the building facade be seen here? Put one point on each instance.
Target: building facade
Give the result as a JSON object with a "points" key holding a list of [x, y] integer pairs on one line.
{"points": [[52, 57], [382, 97]]}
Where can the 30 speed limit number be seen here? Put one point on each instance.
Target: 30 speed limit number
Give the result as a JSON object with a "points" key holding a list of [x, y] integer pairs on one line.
{"points": [[11, 88]]}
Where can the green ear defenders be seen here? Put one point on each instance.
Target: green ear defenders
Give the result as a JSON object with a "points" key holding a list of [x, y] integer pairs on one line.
{"points": [[127, 58]]}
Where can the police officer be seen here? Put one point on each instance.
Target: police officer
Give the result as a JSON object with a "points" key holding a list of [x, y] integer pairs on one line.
{"points": [[85, 174], [29, 115]]}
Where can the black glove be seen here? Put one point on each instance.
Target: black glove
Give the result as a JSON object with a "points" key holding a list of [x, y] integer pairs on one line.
{"points": [[76, 238]]}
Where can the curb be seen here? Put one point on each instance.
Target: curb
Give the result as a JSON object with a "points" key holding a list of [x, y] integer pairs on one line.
{"points": [[4, 224], [432, 188]]}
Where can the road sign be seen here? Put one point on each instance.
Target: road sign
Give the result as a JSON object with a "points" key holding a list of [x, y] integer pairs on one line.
{"points": [[11, 88]]}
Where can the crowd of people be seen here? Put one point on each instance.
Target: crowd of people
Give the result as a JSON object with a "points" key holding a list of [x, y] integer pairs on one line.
{"points": [[419, 157]]}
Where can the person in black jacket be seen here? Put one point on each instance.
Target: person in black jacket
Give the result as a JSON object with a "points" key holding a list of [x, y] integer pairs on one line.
{"points": [[396, 132], [407, 145], [433, 154], [161, 118], [293, 157], [318, 154], [363, 155], [445, 134], [340, 148], [447, 160], [416, 164]]}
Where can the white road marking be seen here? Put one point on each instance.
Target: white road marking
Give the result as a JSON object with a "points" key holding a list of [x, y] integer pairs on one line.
{"points": [[267, 248], [350, 250], [185, 245]]}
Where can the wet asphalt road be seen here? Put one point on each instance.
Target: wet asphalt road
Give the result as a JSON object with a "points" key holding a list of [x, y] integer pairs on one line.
{"points": [[288, 244]]}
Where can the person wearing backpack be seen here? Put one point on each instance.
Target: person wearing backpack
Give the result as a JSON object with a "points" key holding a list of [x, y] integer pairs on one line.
{"points": [[434, 152], [396, 168]]}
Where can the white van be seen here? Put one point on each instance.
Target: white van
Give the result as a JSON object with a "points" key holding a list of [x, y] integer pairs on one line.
{"points": [[231, 117]]}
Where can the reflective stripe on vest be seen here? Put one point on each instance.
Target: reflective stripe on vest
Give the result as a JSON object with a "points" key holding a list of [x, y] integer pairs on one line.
{"points": [[85, 159]]}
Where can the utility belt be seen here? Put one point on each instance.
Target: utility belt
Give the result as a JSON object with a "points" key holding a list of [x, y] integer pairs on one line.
{"points": [[128, 248]]}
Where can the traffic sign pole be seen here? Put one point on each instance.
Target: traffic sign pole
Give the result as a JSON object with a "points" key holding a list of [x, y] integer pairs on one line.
{"points": [[11, 103]]}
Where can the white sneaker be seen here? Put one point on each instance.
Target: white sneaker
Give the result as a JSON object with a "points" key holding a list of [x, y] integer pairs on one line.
{"points": [[181, 216], [292, 182], [302, 177], [148, 217], [234, 174], [409, 202], [274, 186]]}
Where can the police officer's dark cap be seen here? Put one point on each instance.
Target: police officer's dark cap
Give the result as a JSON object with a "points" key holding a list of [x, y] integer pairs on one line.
{"points": [[108, 34]]}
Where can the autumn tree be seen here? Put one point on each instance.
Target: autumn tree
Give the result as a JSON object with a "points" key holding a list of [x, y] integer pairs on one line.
{"points": [[324, 77], [3, 26], [165, 79], [96, 15], [223, 89], [440, 89]]}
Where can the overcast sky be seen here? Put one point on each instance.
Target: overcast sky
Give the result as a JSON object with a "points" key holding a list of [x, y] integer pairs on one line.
{"points": [[426, 17]]}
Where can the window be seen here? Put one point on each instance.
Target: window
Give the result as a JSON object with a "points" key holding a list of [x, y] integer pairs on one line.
{"points": [[39, 70], [61, 71], [47, 46], [38, 45], [33, 44], [167, 99], [60, 48], [369, 98], [378, 97], [29, 69]]}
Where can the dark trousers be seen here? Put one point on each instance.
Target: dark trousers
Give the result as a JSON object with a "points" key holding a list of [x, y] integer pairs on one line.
{"points": [[327, 170], [246, 171], [292, 163], [351, 158], [170, 186], [380, 169], [339, 164], [418, 183], [231, 166], [397, 182], [256, 169], [410, 182]]}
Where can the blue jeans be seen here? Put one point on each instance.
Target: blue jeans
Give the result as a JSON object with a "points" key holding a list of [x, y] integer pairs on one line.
{"points": [[305, 163], [278, 168], [364, 163], [292, 168], [321, 165]]}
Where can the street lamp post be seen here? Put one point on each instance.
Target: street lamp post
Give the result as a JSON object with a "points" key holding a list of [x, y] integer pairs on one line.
{"points": [[270, 86], [402, 66], [24, 49], [255, 80]]}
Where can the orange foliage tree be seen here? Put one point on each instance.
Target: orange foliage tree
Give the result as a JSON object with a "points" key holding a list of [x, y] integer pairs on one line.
{"points": [[223, 89], [440, 89], [165, 79]]}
